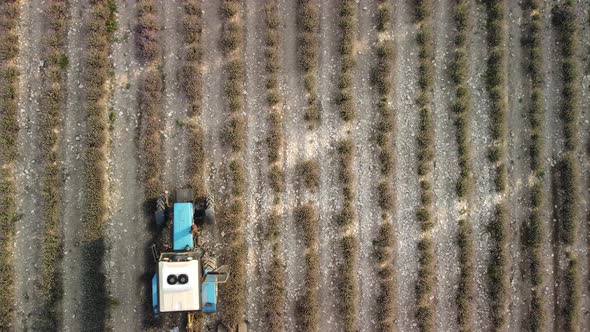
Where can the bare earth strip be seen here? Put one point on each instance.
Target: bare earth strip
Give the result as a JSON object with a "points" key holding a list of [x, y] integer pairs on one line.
{"points": [[293, 110], [555, 144], [483, 202], [366, 164], [519, 167], [446, 171], [584, 52], [258, 196], [213, 117], [405, 84], [175, 105], [74, 185], [329, 198], [127, 231], [28, 230]]}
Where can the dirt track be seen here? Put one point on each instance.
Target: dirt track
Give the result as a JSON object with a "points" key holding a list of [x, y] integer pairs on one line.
{"points": [[405, 77], [27, 247], [128, 231]]}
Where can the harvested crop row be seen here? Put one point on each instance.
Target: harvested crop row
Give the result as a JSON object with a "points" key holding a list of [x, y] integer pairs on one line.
{"points": [[462, 108], [498, 228], [275, 289], [191, 83], [308, 24], [150, 97], [234, 298], [307, 220], [564, 18], [535, 229], [9, 14], [347, 283], [52, 102], [97, 65], [384, 250], [426, 259]]}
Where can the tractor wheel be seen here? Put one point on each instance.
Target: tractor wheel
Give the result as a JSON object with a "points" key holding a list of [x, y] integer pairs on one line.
{"points": [[209, 263], [209, 202], [222, 328], [161, 203], [209, 216]]}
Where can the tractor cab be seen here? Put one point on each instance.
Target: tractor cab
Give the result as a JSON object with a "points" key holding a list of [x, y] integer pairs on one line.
{"points": [[186, 278]]}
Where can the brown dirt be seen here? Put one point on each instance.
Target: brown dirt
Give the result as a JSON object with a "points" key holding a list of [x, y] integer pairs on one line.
{"points": [[74, 188], [405, 75], [519, 168], [258, 196], [127, 232], [29, 234], [366, 164], [294, 126], [555, 144], [446, 171], [483, 201], [213, 117], [175, 136], [329, 195]]}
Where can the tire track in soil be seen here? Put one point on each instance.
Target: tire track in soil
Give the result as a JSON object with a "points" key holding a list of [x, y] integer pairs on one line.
{"points": [[329, 199], [128, 228], [29, 234], [552, 101], [518, 141], [74, 185], [483, 200], [405, 84], [175, 135], [445, 172], [295, 142], [213, 117], [258, 196], [365, 163]]}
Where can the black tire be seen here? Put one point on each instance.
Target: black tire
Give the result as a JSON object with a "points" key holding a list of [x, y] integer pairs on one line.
{"points": [[182, 279], [209, 263], [172, 279]]}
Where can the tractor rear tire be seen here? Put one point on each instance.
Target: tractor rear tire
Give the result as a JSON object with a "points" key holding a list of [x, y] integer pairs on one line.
{"points": [[209, 263], [209, 214], [222, 328]]}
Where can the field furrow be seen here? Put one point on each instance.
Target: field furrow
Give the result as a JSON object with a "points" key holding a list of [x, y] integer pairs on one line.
{"points": [[327, 137], [405, 83], [74, 169], [292, 152], [258, 196], [175, 109], [480, 137], [127, 233], [519, 163], [446, 170], [366, 164], [27, 239]]}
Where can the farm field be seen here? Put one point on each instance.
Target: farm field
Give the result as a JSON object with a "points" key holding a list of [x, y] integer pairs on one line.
{"points": [[376, 165]]}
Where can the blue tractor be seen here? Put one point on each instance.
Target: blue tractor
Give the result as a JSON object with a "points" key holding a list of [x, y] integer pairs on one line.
{"points": [[186, 277]]}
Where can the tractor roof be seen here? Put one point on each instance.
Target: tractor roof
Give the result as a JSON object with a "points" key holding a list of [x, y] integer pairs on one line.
{"points": [[179, 297]]}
